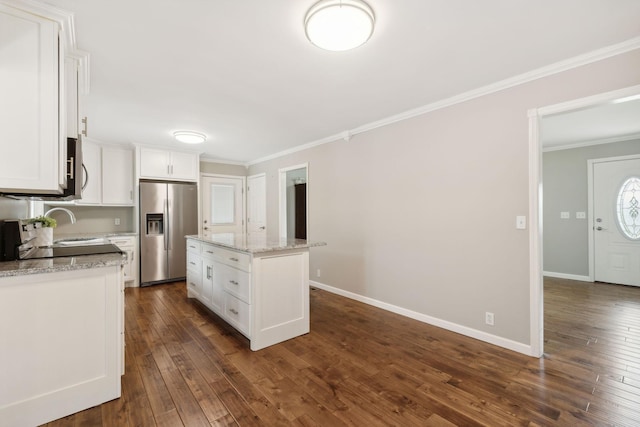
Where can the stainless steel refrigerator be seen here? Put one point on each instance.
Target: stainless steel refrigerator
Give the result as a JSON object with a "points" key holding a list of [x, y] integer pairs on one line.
{"points": [[168, 212]]}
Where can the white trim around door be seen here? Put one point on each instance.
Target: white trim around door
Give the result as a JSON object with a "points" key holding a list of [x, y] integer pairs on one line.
{"points": [[282, 197], [536, 308]]}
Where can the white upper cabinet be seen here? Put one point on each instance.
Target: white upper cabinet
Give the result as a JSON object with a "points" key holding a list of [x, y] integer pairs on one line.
{"points": [[42, 75], [72, 96], [170, 165], [76, 66], [117, 176], [108, 179], [29, 105], [92, 179]]}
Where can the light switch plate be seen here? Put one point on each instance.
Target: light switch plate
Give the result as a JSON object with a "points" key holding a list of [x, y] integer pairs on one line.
{"points": [[521, 222], [565, 215]]}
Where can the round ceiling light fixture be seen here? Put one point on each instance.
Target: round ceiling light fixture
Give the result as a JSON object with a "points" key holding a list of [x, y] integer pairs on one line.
{"points": [[339, 25], [190, 137]]}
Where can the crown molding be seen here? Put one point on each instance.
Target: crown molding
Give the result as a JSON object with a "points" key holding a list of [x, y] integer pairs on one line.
{"points": [[549, 70], [62, 17], [588, 143]]}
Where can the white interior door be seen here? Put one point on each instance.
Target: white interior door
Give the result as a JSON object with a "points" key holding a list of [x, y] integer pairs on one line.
{"points": [[222, 204], [616, 221], [257, 205]]}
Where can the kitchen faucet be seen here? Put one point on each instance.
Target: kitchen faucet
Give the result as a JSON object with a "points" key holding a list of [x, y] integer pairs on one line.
{"points": [[71, 215]]}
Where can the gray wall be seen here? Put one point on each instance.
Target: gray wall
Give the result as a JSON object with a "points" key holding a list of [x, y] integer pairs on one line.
{"points": [[12, 209], [421, 213], [93, 219], [222, 168], [565, 190]]}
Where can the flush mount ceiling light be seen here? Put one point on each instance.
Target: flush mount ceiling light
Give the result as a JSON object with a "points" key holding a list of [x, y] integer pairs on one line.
{"points": [[339, 24], [190, 137]]}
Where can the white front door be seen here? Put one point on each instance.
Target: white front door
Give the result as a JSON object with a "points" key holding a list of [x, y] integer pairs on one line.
{"points": [[616, 221], [222, 204], [257, 205]]}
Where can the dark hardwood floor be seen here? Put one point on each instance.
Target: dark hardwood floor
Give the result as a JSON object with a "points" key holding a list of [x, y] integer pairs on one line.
{"points": [[361, 366]]}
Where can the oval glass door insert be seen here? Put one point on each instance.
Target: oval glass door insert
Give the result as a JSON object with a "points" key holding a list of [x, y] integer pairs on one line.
{"points": [[628, 208]]}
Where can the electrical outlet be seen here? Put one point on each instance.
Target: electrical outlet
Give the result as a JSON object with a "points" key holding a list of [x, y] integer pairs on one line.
{"points": [[318, 273], [116, 221], [489, 318], [565, 215], [581, 215]]}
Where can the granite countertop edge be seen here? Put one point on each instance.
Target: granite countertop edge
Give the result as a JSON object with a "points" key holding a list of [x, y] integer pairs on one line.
{"points": [[92, 235], [253, 248], [54, 265]]}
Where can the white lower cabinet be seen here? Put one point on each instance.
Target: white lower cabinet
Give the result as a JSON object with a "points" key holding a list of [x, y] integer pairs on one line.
{"points": [[128, 245], [62, 343], [264, 296]]}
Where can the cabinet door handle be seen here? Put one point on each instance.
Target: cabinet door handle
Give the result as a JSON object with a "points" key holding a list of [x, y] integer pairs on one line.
{"points": [[192, 263], [209, 252], [71, 167], [233, 282], [234, 259], [86, 179], [233, 311], [208, 272], [86, 125]]}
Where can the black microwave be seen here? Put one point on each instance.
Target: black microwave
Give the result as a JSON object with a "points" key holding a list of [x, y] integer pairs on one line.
{"points": [[75, 179]]}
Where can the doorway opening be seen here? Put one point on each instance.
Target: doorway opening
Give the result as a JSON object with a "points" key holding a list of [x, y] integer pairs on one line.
{"points": [[293, 202], [538, 133]]}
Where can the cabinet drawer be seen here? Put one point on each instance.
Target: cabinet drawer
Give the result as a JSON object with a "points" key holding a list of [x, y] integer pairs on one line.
{"points": [[210, 251], [194, 246], [235, 259], [194, 263], [236, 282], [193, 283], [237, 313]]}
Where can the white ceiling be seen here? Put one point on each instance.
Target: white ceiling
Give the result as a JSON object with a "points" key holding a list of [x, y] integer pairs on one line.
{"points": [[242, 71], [601, 123]]}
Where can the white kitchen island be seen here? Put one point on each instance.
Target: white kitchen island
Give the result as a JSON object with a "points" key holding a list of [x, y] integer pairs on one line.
{"points": [[260, 286]]}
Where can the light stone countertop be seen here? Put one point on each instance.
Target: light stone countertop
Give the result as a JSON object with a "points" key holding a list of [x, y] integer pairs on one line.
{"points": [[53, 265], [253, 245], [90, 235]]}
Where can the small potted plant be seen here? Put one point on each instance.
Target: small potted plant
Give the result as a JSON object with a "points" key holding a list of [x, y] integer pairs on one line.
{"points": [[44, 226]]}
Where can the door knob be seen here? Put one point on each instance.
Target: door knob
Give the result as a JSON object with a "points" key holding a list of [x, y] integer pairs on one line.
{"points": [[600, 228], [262, 228], [206, 228]]}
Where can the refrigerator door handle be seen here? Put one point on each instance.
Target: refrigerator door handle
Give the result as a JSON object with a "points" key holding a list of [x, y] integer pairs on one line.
{"points": [[168, 235], [166, 224]]}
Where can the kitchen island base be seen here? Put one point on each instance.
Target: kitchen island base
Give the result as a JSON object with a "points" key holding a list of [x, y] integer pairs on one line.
{"points": [[264, 294]]}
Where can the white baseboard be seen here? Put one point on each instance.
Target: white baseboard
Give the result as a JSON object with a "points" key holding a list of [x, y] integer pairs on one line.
{"points": [[566, 276], [450, 326]]}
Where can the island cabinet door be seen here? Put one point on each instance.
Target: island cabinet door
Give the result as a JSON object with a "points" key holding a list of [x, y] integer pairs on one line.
{"points": [[280, 298]]}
